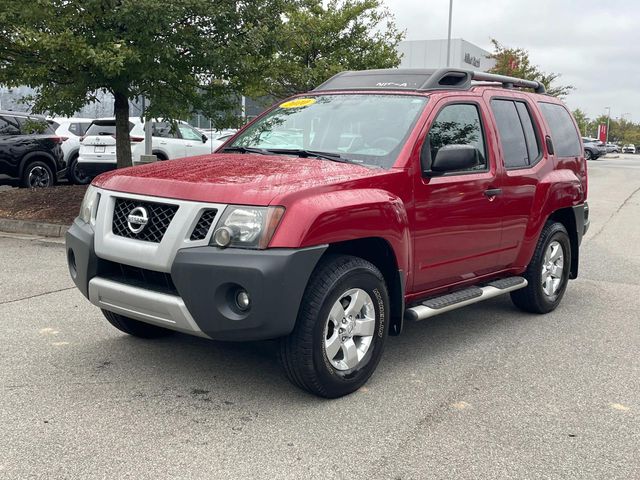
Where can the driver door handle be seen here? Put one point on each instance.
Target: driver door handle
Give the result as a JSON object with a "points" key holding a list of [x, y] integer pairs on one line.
{"points": [[492, 192]]}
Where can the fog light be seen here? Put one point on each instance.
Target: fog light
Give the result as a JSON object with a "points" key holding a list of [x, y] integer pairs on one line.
{"points": [[222, 236], [242, 300]]}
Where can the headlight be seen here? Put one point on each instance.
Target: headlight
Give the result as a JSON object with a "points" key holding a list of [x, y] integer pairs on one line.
{"points": [[247, 227], [90, 205]]}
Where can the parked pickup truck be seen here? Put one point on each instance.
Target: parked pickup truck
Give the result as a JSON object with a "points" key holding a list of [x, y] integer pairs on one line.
{"points": [[380, 197]]}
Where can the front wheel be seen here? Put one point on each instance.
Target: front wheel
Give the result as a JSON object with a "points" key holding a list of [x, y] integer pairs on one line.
{"points": [[588, 155], [341, 328], [76, 174], [548, 272]]}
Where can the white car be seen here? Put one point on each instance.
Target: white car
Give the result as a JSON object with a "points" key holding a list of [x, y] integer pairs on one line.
{"points": [[629, 148], [72, 129], [218, 135], [98, 146]]}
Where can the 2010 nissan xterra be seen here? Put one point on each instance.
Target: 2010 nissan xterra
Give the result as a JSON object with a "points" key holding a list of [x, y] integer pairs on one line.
{"points": [[381, 197]]}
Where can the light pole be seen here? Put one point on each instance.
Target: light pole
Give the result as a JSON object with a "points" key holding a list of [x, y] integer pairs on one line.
{"points": [[608, 109], [449, 34]]}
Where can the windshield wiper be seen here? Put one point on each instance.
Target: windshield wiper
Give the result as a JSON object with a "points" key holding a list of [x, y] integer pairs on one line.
{"points": [[261, 151], [334, 157]]}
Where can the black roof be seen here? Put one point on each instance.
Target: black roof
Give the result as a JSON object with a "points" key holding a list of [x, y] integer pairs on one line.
{"points": [[420, 79]]}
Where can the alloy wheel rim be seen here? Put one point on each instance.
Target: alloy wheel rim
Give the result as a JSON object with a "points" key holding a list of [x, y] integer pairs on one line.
{"points": [[349, 329], [552, 269], [39, 177], [79, 174]]}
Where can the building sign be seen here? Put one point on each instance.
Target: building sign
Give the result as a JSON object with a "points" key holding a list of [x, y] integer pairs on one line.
{"points": [[472, 60]]}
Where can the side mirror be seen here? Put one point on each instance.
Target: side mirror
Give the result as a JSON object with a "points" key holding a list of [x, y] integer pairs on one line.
{"points": [[204, 138], [455, 157]]}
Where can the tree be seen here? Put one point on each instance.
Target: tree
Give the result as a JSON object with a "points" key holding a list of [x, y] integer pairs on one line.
{"points": [[515, 62], [319, 39], [181, 55], [582, 120]]}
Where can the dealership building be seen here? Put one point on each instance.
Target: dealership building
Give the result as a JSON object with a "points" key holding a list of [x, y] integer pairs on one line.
{"points": [[433, 54]]}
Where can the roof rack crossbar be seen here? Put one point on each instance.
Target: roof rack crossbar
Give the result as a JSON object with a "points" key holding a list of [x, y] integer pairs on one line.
{"points": [[509, 82]]}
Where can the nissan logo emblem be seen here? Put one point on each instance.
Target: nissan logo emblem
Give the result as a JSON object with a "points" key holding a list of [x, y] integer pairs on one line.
{"points": [[137, 219]]}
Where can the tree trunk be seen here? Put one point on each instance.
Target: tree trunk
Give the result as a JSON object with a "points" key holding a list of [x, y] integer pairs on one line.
{"points": [[123, 142]]}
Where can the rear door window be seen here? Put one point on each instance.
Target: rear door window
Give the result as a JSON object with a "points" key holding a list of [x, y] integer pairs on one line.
{"points": [[564, 135], [514, 145], [533, 147], [164, 130]]}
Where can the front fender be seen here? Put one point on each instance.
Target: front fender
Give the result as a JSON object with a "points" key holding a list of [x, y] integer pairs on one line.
{"points": [[339, 216]]}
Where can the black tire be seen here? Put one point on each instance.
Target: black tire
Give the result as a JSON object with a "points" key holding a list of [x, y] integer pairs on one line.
{"points": [[302, 353], [37, 174], [75, 173], [532, 298], [134, 327], [588, 155], [160, 156]]}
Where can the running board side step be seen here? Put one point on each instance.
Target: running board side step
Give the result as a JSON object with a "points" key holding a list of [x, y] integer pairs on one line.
{"points": [[462, 298]]}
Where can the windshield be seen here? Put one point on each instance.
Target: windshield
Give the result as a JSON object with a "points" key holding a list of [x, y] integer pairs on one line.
{"points": [[366, 129]]}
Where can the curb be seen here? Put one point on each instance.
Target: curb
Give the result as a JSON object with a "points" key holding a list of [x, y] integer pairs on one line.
{"points": [[9, 225]]}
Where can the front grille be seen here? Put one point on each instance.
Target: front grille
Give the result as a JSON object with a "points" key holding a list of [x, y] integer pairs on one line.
{"points": [[137, 277], [204, 224], [160, 216]]}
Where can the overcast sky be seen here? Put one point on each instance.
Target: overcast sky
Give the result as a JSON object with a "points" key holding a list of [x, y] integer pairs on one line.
{"points": [[595, 45]]}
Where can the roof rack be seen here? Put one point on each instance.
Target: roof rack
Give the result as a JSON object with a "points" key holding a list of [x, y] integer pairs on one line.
{"points": [[421, 79]]}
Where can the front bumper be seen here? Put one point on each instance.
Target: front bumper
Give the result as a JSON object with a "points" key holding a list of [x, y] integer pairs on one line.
{"points": [[206, 280]]}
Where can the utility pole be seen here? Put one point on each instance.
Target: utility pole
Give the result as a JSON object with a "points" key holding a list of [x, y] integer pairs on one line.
{"points": [[608, 109], [449, 34]]}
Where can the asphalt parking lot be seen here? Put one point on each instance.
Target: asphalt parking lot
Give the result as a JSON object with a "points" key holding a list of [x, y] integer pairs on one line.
{"points": [[483, 392]]}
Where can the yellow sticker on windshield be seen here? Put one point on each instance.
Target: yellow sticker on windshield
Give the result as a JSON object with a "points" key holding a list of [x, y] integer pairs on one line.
{"points": [[298, 102]]}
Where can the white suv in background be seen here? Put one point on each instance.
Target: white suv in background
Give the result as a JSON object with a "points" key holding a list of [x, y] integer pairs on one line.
{"points": [[72, 129], [98, 146]]}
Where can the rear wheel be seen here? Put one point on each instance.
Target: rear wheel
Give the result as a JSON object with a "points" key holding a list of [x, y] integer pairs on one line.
{"points": [[341, 328], [548, 272], [588, 155], [135, 327], [75, 173], [37, 174]]}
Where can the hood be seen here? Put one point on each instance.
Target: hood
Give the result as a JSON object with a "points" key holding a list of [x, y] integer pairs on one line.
{"points": [[248, 179]]}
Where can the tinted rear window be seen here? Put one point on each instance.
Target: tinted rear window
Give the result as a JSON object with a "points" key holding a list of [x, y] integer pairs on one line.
{"points": [[107, 127], [566, 141], [514, 145], [35, 126]]}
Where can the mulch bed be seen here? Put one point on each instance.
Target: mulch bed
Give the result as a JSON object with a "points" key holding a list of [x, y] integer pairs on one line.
{"points": [[58, 205]]}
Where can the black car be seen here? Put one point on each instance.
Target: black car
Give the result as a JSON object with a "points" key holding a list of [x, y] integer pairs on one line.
{"points": [[30, 150]]}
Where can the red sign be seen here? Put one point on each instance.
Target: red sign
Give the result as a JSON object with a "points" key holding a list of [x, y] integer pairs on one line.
{"points": [[602, 132]]}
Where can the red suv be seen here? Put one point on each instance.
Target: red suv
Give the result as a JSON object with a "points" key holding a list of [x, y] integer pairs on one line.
{"points": [[380, 197]]}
